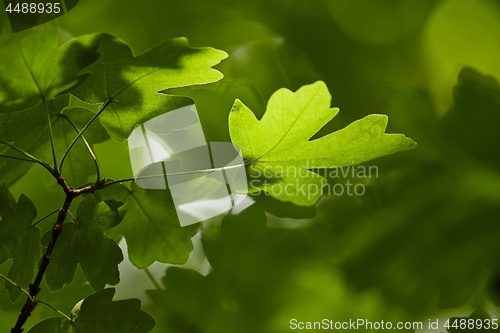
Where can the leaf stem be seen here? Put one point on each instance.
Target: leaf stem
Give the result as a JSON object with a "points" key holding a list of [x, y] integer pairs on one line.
{"points": [[91, 152], [17, 158], [51, 133], [183, 173], [46, 216], [72, 216], [55, 309], [16, 285], [80, 133], [29, 156], [152, 279]]}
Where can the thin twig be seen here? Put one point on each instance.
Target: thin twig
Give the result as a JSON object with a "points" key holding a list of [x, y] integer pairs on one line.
{"points": [[80, 133], [46, 216], [17, 158], [72, 216], [34, 288], [55, 309], [31, 157], [16, 285], [51, 133], [92, 154], [183, 173], [152, 279]]}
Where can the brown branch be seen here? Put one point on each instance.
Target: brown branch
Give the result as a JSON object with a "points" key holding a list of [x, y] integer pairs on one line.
{"points": [[34, 288]]}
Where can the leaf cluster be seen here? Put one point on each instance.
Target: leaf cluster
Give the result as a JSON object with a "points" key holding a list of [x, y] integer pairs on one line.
{"points": [[56, 103], [66, 99]]}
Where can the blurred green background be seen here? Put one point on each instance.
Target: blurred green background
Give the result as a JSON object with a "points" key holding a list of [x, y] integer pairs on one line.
{"points": [[422, 243]]}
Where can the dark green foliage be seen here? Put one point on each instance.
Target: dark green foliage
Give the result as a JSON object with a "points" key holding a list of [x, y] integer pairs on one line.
{"points": [[151, 226], [420, 243], [419, 250], [477, 108], [98, 313], [83, 242], [19, 239]]}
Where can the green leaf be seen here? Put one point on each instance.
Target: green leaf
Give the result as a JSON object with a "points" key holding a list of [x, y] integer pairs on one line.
{"points": [[52, 325], [33, 73], [19, 240], [151, 226], [34, 69], [84, 243], [280, 151], [129, 87], [28, 130], [480, 93], [99, 314]]}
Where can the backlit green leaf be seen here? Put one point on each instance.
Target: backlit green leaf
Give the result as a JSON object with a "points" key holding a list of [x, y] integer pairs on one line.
{"points": [[34, 72], [34, 69], [280, 151], [129, 87]]}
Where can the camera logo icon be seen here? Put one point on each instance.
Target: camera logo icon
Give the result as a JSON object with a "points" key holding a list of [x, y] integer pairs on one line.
{"points": [[170, 152]]}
